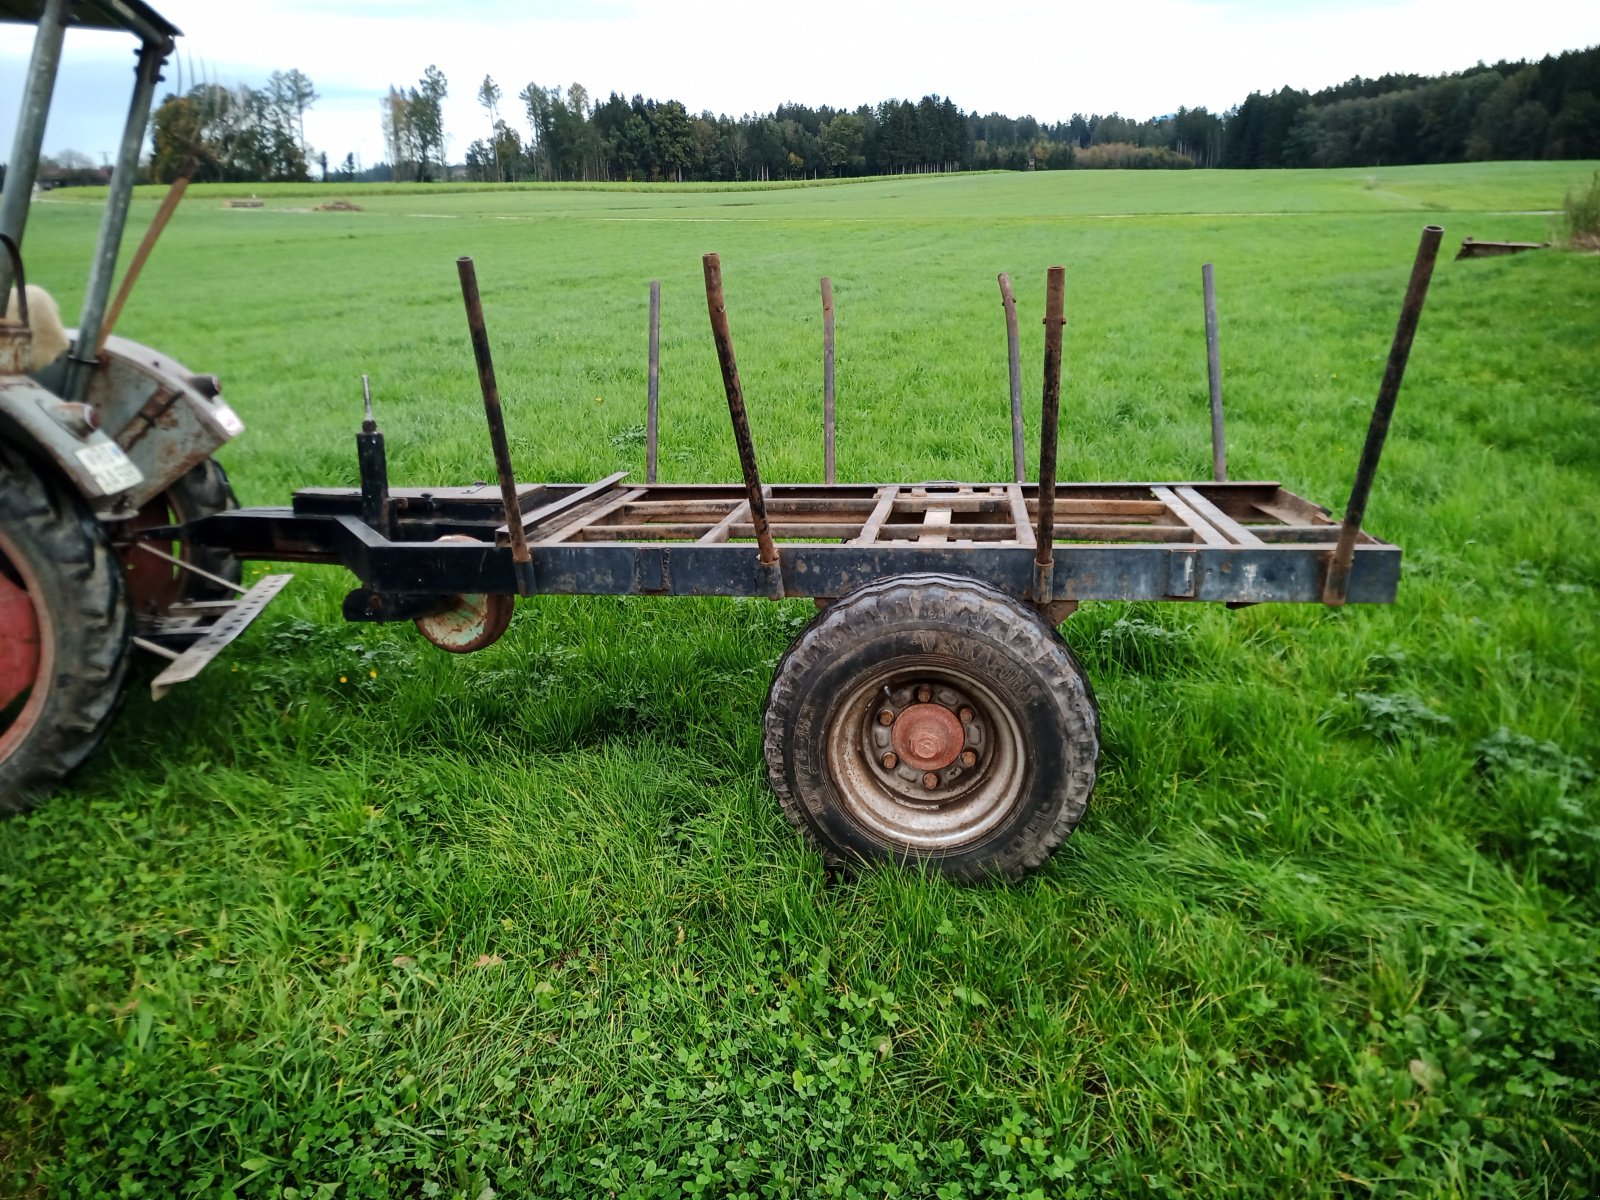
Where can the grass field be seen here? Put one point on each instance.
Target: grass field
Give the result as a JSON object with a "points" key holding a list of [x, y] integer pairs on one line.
{"points": [[349, 917]]}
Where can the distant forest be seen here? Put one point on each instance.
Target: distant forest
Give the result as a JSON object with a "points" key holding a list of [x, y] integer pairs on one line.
{"points": [[1511, 110], [1548, 109]]}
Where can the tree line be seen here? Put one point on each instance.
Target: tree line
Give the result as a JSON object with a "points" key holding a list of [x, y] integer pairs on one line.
{"points": [[1511, 110]]}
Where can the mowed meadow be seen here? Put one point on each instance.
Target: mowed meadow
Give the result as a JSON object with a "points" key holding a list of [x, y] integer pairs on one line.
{"points": [[351, 917]]}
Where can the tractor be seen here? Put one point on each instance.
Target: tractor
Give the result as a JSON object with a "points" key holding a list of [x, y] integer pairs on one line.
{"points": [[100, 438]]}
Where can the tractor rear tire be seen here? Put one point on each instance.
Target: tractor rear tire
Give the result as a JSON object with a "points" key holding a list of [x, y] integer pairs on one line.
{"points": [[154, 585], [932, 720], [66, 592]]}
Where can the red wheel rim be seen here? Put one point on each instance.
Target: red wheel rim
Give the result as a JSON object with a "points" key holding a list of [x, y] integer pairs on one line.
{"points": [[154, 585], [27, 647]]}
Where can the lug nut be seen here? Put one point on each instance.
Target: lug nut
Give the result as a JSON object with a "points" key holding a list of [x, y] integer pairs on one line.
{"points": [[930, 780], [969, 758], [890, 761], [924, 694], [966, 715], [886, 716]]}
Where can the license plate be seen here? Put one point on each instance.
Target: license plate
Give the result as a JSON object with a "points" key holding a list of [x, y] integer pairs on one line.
{"points": [[111, 469]]}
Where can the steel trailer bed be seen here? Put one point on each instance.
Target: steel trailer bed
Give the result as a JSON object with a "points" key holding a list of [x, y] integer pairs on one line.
{"points": [[931, 711]]}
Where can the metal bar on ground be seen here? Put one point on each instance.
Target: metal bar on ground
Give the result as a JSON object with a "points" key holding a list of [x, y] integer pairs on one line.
{"points": [[1219, 443], [1235, 531], [522, 561], [827, 380], [1054, 320], [653, 396], [716, 305], [1338, 581], [1208, 534], [1014, 359]]}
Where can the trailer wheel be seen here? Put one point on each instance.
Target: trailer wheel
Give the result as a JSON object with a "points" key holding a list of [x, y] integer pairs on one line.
{"points": [[155, 585], [936, 720], [64, 630]]}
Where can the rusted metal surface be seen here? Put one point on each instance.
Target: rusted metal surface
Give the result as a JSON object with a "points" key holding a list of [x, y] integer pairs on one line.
{"points": [[1219, 441], [1471, 248], [229, 625], [652, 406], [827, 380], [1054, 320], [1014, 364], [937, 774], [467, 623], [496, 419], [1335, 590], [928, 736], [717, 306]]}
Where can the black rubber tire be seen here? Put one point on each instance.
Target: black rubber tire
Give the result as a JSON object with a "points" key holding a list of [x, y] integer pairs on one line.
{"points": [[205, 491], [948, 627], [81, 607]]}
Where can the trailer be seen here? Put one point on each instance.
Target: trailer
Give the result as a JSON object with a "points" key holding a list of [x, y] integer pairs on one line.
{"points": [[931, 712]]}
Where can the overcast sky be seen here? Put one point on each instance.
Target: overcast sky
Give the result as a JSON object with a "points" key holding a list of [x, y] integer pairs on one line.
{"points": [[1141, 58]]}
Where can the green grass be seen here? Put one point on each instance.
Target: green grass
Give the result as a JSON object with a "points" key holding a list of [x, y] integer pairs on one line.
{"points": [[531, 921]]}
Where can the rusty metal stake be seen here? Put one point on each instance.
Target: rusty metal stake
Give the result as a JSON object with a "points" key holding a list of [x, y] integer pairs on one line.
{"points": [[1219, 442], [654, 393], [1014, 355], [521, 560], [1054, 320], [1337, 584], [169, 205], [827, 380], [768, 550]]}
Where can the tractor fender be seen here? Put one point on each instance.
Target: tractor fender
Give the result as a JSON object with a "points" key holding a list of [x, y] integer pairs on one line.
{"points": [[166, 418], [35, 419]]}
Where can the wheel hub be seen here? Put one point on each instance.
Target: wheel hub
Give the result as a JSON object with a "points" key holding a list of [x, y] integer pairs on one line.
{"points": [[928, 736]]}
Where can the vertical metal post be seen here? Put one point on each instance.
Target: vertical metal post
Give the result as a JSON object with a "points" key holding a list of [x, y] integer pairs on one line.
{"points": [[522, 561], [1337, 584], [82, 360], [1014, 357], [827, 380], [741, 421], [653, 396], [1054, 320], [23, 167], [1219, 442], [374, 465]]}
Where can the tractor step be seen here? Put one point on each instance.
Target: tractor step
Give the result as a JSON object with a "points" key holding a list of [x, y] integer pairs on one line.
{"points": [[232, 617]]}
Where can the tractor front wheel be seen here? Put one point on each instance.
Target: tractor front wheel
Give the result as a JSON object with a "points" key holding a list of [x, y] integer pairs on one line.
{"points": [[64, 630], [935, 720]]}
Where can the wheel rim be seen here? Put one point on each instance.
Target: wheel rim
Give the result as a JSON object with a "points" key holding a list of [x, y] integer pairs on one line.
{"points": [[925, 756], [154, 585], [27, 649]]}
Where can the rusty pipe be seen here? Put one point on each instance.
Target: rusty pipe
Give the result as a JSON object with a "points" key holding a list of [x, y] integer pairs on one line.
{"points": [[1337, 584], [741, 422], [521, 560], [653, 391], [827, 381], [1054, 321], [1014, 361]]}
